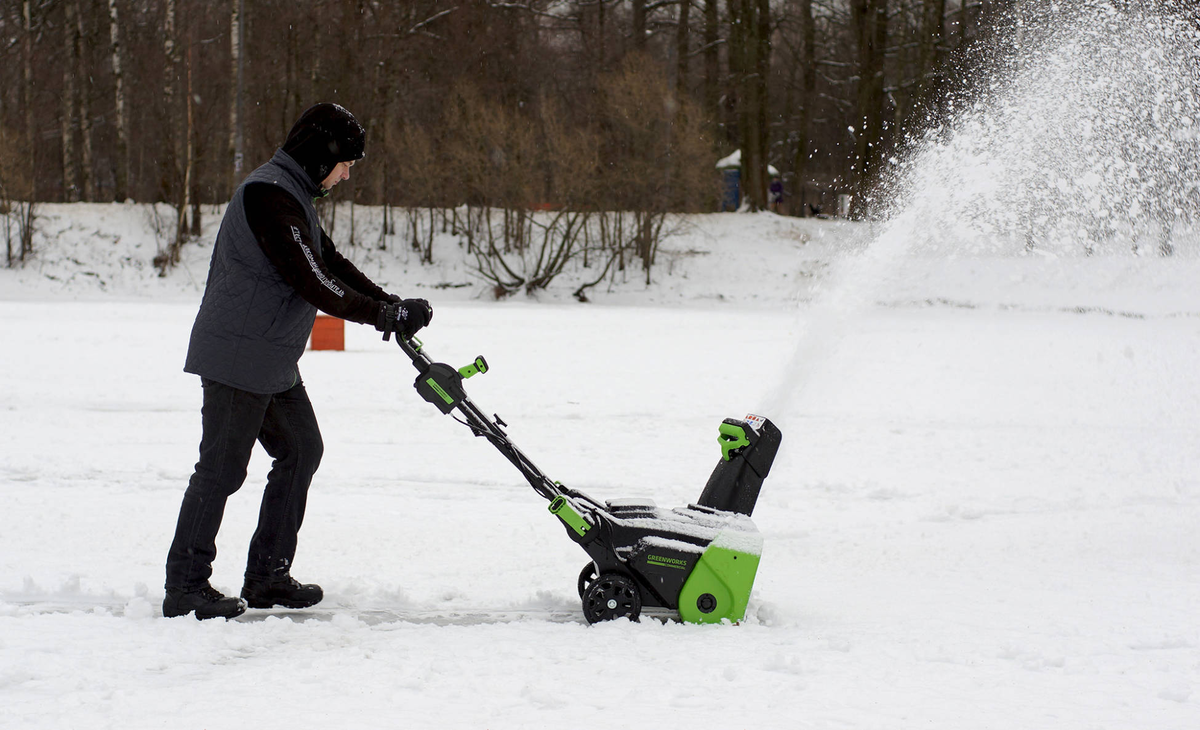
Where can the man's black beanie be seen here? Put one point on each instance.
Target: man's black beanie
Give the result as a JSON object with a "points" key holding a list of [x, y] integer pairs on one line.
{"points": [[323, 136]]}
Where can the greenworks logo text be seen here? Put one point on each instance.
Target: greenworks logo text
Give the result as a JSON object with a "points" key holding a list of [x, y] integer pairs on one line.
{"points": [[667, 562]]}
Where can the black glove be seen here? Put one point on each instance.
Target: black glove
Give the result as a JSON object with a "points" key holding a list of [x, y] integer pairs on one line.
{"points": [[404, 317]]}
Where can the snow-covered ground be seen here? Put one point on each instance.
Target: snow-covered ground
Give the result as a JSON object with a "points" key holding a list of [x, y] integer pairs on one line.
{"points": [[984, 513]]}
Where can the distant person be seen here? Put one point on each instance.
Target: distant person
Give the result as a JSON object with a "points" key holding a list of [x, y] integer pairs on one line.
{"points": [[272, 268], [776, 194]]}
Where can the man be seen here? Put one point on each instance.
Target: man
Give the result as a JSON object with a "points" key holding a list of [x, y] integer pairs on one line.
{"points": [[272, 268]]}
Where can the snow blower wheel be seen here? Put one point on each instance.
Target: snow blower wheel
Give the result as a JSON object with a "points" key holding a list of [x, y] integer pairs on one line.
{"points": [[586, 576], [611, 596]]}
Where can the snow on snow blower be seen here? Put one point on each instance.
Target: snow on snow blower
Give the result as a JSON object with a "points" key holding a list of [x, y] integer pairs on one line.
{"points": [[694, 563]]}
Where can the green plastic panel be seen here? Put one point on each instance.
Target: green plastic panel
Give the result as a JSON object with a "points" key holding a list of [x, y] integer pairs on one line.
{"points": [[438, 389], [726, 575]]}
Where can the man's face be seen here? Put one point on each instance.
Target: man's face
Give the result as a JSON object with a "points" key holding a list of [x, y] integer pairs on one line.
{"points": [[341, 171]]}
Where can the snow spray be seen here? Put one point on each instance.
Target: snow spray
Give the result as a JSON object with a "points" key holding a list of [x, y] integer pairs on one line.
{"points": [[1080, 137]]}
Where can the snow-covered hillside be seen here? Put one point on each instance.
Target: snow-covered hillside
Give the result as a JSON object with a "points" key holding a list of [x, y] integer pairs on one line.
{"points": [[90, 251]]}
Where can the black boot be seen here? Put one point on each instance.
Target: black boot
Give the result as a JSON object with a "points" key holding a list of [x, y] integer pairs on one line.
{"points": [[281, 590], [205, 601]]}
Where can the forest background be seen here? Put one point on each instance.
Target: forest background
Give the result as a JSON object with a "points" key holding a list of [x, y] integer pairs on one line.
{"points": [[599, 103], [582, 105]]}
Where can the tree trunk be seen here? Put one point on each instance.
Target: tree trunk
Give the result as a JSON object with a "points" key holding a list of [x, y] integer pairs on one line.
{"points": [[870, 30], [749, 55], [122, 162], [297, 56], [804, 115], [681, 49], [189, 176], [185, 192], [27, 89], [737, 74], [933, 28], [762, 75], [236, 88], [314, 78], [591, 35], [172, 256], [171, 122], [70, 62], [639, 24], [384, 82], [712, 60], [85, 105]]}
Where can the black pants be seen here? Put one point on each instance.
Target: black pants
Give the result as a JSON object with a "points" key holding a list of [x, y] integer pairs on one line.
{"points": [[232, 421]]}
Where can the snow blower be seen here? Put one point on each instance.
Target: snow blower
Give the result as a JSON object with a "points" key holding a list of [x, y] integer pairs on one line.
{"points": [[695, 563]]}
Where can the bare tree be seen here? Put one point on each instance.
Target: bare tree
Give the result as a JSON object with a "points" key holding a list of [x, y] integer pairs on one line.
{"points": [[808, 87], [712, 59], [70, 65], [176, 190], [638, 24], [31, 144], [933, 28], [86, 169], [237, 68], [682, 57], [189, 175], [870, 24], [314, 78], [170, 96], [749, 63], [18, 211], [122, 161]]}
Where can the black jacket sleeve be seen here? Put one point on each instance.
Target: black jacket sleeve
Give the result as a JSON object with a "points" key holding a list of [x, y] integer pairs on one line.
{"points": [[349, 273], [281, 228]]}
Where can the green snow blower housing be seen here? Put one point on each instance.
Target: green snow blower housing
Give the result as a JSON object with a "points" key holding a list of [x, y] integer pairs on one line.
{"points": [[694, 563]]}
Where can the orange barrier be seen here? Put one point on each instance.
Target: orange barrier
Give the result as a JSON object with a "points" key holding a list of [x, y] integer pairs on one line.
{"points": [[328, 333]]}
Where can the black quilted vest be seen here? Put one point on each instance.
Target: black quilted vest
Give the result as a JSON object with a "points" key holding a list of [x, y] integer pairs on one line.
{"points": [[252, 326]]}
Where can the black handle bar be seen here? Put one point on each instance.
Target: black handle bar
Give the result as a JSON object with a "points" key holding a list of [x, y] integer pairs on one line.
{"points": [[441, 385]]}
